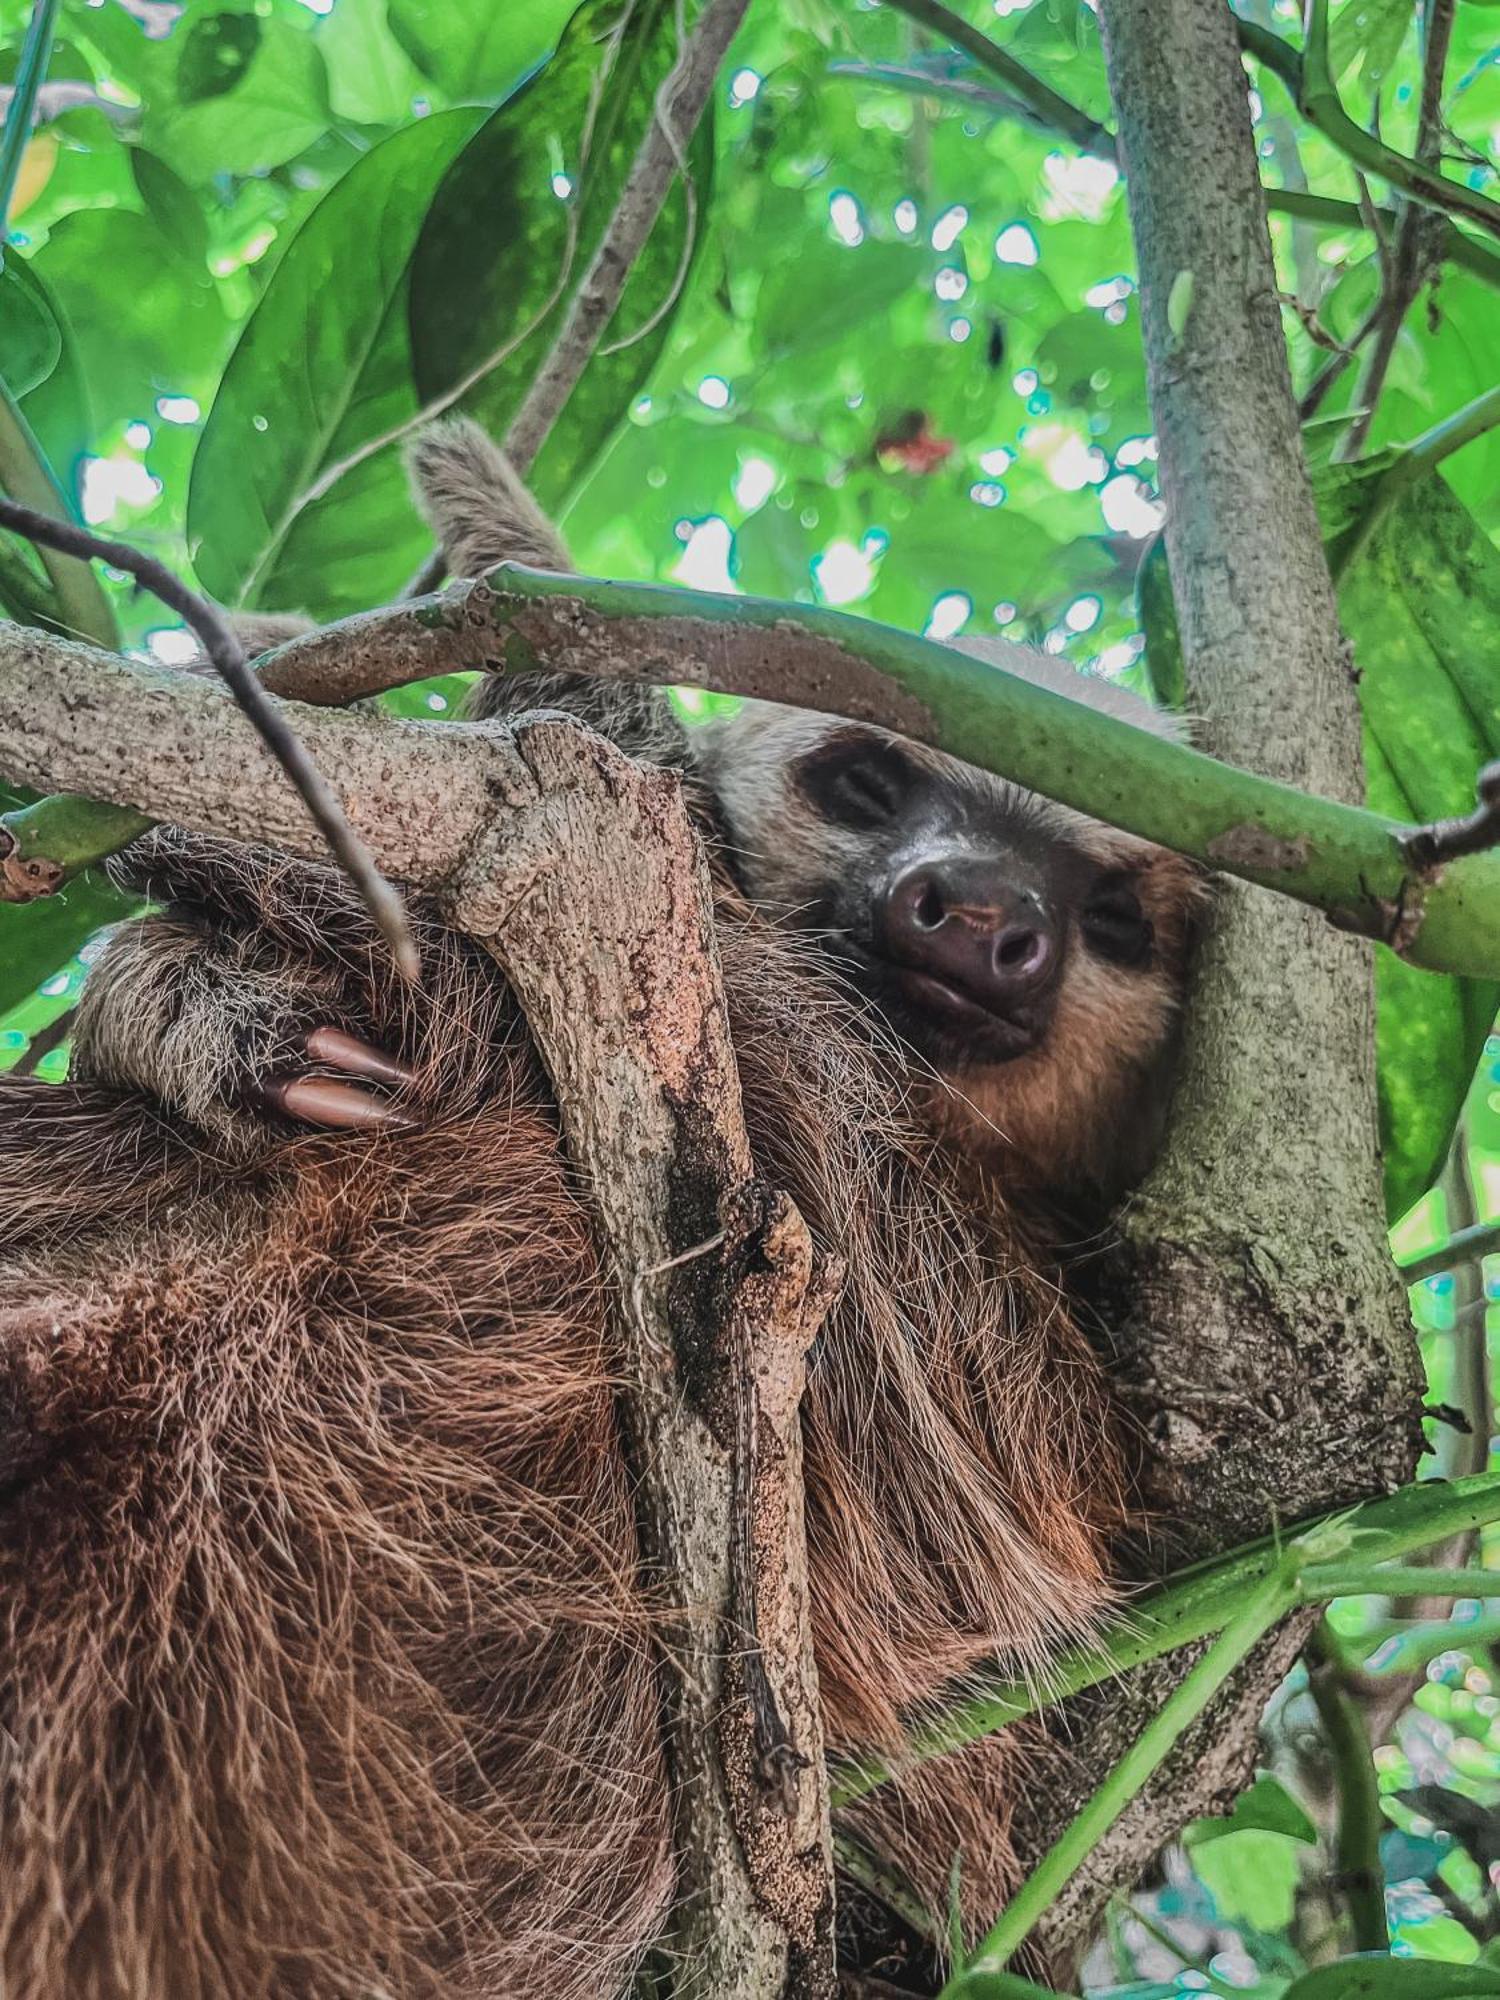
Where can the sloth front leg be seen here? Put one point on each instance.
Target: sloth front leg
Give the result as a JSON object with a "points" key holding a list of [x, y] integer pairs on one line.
{"points": [[215, 1011]]}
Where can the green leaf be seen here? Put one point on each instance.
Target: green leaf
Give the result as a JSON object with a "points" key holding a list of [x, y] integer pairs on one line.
{"points": [[1370, 32], [477, 52], [171, 204], [1157, 610], [136, 334], [1267, 1806], [1421, 605], [274, 429], [30, 338], [493, 271], [371, 78], [272, 109], [816, 298], [1374, 1976], [38, 938], [1252, 1876], [215, 54]]}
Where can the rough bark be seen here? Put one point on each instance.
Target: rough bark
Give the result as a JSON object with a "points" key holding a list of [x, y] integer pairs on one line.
{"points": [[1261, 1329], [593, 894]]}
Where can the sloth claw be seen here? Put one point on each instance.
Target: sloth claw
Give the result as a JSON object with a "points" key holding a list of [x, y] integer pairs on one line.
{"points": [[347, 1052], [323, 1100]]}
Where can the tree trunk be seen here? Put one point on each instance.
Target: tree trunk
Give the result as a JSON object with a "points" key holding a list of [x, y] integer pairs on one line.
{"points": [[1262, 1331]]}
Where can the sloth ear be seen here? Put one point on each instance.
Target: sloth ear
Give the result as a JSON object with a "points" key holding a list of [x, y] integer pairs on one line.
{"points": [[477, 503]]}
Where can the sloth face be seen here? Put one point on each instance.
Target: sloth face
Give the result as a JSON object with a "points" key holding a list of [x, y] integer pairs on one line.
{"points": [[962, 908], [1030, 958]]}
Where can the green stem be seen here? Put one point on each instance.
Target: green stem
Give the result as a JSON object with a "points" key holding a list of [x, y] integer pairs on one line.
{"points": [[1177, 1713], [1325, 1581], [1069, 119], [36, 50], [1412, 463], [82, 607], [1307, 78], [1476, 1241], [1190, 1606], [1360, 1820], [1348, 862], [1457, 248], [1344, 860]]}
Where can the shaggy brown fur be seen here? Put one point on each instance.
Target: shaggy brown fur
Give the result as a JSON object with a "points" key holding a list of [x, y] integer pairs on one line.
{"points": [[326, 1668]]}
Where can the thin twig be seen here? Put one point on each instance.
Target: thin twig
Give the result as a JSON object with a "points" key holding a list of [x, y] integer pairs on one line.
{"points": [[267, 717], [1428, 847], [1320, 105], [1411, 258], [43, 1042], [678, 108], [1360, 1820], [1316, 392], [1070, 119]]}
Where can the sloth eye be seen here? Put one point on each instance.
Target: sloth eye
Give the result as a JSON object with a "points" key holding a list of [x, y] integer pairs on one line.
{"points": [[864, 785], [1114, 924]]}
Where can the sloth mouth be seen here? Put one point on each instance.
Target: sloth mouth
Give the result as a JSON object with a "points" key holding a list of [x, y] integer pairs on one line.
{"points": [[953, 1011], [948, 1024]]}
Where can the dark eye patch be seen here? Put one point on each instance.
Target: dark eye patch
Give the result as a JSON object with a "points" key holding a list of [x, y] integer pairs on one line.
{"points": [[858, 781], [1114, 925]]}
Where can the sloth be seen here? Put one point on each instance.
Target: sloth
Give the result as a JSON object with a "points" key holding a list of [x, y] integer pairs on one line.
{"points": [[327, 1657]]}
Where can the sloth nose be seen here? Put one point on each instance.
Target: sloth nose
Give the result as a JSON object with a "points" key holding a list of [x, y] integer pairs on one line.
{"points": [[961, 923]]}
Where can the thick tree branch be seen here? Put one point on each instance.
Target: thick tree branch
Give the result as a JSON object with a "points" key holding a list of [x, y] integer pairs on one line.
{"points": [[591, 890], [1339, 858], [18, 872], [1264, 1342]]}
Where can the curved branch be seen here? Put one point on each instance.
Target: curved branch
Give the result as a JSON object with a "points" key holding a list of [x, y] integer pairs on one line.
{"points": [[1341, 859], [1320, 104], [227, 656]]}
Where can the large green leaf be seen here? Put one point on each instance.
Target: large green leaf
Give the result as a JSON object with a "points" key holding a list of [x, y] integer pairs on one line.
{"points": [[322, 367], [250, 94], [475, 51], [371, 78], [1374, 1976], [493, 275], [135, 336], [1421, 605], [30, 338]]}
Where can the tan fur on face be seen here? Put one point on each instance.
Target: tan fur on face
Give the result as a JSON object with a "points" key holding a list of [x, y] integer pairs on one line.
{"points": [[325, 1665]]}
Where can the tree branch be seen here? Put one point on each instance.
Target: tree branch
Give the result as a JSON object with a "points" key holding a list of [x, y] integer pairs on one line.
{"points": [[1056, 111], [678, 108], [19, 872], [1429, 848], [591, 889], [1266, 1349], [1339, 858], [1318, 101], [1408, 266]]}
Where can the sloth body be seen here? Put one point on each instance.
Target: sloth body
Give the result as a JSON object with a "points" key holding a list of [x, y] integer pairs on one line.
{"points": [[327, 1666]]}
